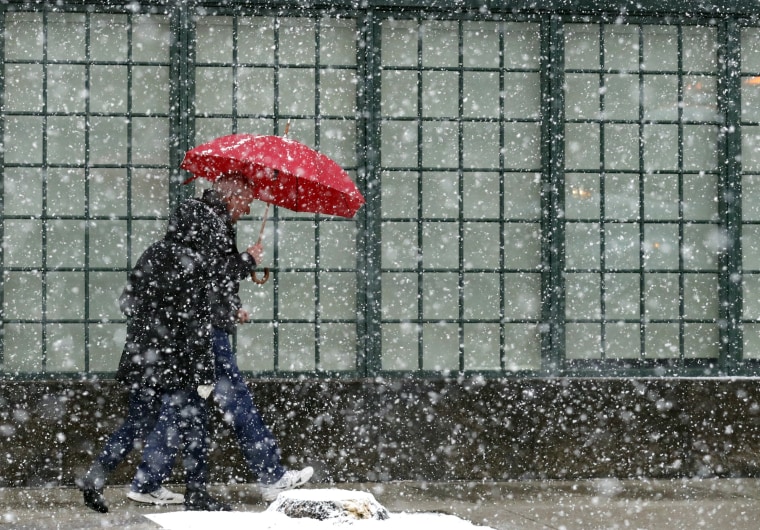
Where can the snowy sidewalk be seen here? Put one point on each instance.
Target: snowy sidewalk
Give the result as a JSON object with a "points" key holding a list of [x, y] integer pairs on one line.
{"points": [[523, 505]]}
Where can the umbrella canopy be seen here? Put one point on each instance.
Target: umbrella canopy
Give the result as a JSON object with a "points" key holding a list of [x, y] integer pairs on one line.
{"points": [[283, 172]]}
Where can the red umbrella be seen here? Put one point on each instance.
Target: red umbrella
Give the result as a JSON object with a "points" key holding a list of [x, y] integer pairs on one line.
{"points": [[283, 172]]}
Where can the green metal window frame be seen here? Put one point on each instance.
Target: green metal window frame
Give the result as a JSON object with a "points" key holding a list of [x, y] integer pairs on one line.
{"points": [[728, 18]]}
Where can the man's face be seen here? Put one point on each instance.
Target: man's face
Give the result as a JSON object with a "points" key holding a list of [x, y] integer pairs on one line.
{"points": [[239, 202]]}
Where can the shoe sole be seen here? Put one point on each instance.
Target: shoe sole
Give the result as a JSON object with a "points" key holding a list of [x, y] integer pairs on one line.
{"points": [[268, 497], [146, 499]]}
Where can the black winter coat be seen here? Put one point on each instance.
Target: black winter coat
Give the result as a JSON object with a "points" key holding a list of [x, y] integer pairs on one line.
{"points": [[170, 296]]}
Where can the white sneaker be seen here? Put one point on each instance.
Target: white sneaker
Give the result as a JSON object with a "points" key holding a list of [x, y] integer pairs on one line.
{"points": [[160, 496], [290, 480]]}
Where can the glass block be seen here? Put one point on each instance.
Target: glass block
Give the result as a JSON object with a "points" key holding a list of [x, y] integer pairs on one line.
{"points": [[660, 147], [440, 43], [621, 96], [108, 244], [482, 350], [255, 39], [700, 49], [337, 295], [22, 191], [621, 246], [751, 296], [66, 191], [482, 299], [337, 245], [582, 46], [522, 245], [108, 88], [255, 347], [750, 49], [337, 347], [661, 295], [440, 245], [751, 339], [480, 44], [22, 243], [23, 88], [750, 201], [213, 90], [258, 300], [296, 240], [337, 139], [66, 140], [23, 139], [582, 93], [700, 294], [700, 193], [24, 36], [106, 344], [214, 39], [65, 348], [750, 98], [440, 347], [338, 42], [109, 37], [400, 347], [65, 295], [522, 195], [621, 296], [399, 296], [206, 129], [522, 146], [621, 147], [150, 192], [297, 89], [296, 347], [582, 146], [399, 42], [297, 296], [297, 41], [440, 144], [750, 148], [582, 196], [440, 295], [440, 194], [22, 295], [621, 197], [65, 243], [583, 295], [700, 147], [108, 191], [522, 296], [481, 245], [582, 244], [109, 141], [255, 90], [480, 195], [522, 347], [661, 246], [151, 141], [398, 144], [151, 38], [522, 45], [144, 234], [661, 197], [701, 341], [583, 341], [440, 94], [66, 36], [398, 94], [660, 47], [662, 341], [22, 348], [151, 90], [103, 296], [523, 95], [400, 246], [700, 98], [480, 145], [622, 340], [660, 97], [337, 89], [398, 194], [621, 47]]}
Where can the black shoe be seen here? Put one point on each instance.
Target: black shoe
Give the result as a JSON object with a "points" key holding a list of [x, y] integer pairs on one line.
{"points": [[201, 501], [94, 500]]}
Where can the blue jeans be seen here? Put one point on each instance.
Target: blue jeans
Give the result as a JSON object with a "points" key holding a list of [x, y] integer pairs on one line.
{"points": [[257, 443], [181, 423]]}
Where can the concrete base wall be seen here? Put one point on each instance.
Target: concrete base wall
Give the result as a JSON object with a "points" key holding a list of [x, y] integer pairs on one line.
{"points": [[368, 430]]}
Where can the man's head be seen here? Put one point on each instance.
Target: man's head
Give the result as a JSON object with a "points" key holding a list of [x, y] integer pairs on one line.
{"points": [[237, 194]]}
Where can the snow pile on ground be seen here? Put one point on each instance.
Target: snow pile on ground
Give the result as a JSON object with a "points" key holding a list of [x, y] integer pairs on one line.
{"points": [[325, 504]]}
